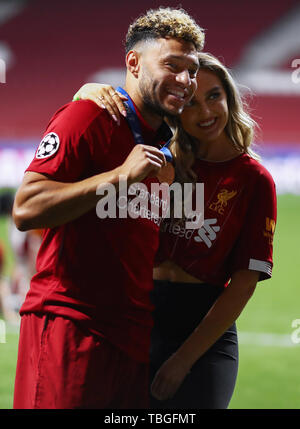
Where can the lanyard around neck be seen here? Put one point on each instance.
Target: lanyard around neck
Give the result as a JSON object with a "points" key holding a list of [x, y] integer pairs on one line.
{"points": [[135, 127]]}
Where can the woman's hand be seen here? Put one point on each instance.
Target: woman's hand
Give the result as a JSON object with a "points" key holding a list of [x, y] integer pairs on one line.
{"points": [[169, 378], [105, 96]]}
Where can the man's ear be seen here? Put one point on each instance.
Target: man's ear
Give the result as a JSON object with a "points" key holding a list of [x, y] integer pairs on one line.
{"points": [[133, 60]]}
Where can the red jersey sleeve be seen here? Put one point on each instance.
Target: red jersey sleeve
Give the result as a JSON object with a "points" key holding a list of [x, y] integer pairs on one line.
{"points": [[254, 247], [72, 135]]}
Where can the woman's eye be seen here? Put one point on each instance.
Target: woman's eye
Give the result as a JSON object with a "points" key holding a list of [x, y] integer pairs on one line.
{"points": [[214, 95]]}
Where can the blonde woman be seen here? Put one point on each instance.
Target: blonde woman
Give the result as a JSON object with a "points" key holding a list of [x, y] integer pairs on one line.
{"points": [[204, 278]]}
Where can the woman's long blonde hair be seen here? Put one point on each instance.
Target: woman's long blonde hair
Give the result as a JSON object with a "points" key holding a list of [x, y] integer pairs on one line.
{"points": [[240, 126]]}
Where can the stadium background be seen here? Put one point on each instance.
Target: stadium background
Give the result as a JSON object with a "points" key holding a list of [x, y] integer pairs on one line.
{"points": [[51, 48]]}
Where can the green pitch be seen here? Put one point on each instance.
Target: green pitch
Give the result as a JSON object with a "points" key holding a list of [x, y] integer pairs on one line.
{"points": [[269, 374]]}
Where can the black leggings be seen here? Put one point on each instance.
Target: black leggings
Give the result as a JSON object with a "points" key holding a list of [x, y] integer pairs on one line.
{"points": [[179, 308]]}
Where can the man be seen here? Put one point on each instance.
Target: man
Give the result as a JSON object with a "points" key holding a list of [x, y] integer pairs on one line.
{"points": [[86, 320]]}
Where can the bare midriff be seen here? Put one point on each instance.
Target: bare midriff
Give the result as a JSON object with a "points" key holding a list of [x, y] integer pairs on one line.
{"points": [[169, 271]]}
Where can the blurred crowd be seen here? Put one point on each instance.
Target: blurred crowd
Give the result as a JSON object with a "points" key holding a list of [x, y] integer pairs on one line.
{"points": [[14, 283]]}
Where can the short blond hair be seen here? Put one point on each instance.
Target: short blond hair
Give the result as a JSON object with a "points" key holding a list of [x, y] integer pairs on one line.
{"points": [[165, 22]]}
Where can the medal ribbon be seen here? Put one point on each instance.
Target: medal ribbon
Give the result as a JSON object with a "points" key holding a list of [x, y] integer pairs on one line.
{"points": [[134, 125]]}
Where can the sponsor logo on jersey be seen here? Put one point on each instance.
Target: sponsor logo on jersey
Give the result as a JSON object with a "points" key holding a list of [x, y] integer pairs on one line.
{"points": [[270, 229], [222, 200], [207, 233], [48, 146]]}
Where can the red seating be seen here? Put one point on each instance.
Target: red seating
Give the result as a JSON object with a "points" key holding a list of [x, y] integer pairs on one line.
{"points": [[58, 45]]}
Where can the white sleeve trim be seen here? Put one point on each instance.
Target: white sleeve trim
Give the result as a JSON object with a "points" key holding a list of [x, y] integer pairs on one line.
{"points": [[256, 265]]}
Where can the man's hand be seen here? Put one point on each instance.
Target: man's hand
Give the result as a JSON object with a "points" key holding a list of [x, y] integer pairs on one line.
{"points": [[143, 161]]}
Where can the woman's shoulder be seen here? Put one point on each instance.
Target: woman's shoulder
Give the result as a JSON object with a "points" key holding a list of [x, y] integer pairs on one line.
{"points": [[256, 169]]}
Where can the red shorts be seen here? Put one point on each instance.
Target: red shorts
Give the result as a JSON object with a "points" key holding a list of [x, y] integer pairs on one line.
{"points": [[62, 366]]}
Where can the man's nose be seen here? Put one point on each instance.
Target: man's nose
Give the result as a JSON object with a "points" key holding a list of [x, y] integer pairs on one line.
{"points": [[184, 78]]}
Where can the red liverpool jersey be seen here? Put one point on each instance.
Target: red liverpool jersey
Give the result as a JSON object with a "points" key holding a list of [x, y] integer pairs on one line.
{"points": [[240, 217], [96, 271]]}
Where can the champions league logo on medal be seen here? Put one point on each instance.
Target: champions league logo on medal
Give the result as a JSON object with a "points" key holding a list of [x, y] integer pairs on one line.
{"points": [[48, 146]]}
